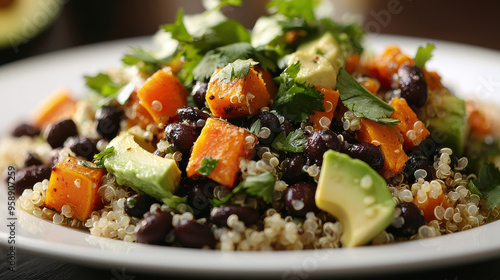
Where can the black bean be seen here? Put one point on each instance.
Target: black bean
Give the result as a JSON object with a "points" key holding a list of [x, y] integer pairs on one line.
{"points": [[368, 153], [417, 160], [413, 86], [153, 228], [31, 159], [412, 220], [320, 142], [29, 176], [199, 92], [191, 115], [299, 199], [59, 132], [181, 136], [199, 198], [292, 169], [247, 215], [108, 119], [268, 120], [138, 205], [84, 147], [194, 235], [287, 126], [25, 130]]}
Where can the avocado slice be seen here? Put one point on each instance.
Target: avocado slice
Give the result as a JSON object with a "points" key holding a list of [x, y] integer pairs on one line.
{"points": [[327, 47], [450, 128], [354, 193], [141, 170], [315, 69]]}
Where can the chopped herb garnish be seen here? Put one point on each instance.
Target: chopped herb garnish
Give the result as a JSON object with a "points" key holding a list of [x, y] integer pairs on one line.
{"points": [[99, 158], [261, 186], [235, 70], [295, 100], [423, 55], [208, 165], [255, 128], [488, 185], [361, 102], [147, 60], [293, 142], [102, 84]]}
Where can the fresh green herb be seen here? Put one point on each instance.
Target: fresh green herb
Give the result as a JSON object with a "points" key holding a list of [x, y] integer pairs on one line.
{"points": [[178, 29], [147, 60], [102, 84], [361, 102], [423, 55], [208, 165], [488, 185], [255, 128], [173, 201], [235, 70], [99, 158], [294, 8], [295, 100], [348, 35], [293, 143], [261, 186]]}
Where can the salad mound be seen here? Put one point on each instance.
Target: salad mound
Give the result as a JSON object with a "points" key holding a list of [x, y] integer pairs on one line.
{"points": [[286, 137]]}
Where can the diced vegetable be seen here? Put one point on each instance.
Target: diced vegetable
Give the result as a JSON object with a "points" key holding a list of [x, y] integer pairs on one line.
{"points": [[162, 95], [266, 76], [390, 141], [239, 97], [138, 115], [412, 129], [323, 119], [433, 80], [430, 197], [384, 66], [57, 106], [75, 185], [225, 142]]}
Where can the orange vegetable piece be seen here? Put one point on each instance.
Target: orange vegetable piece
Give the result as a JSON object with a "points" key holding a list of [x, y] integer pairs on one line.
{"points": [[412, 129], [162, 95], [352, 64], [371, 85], [225, 142], [57, 106], [75, 185], [433, 80], [390, 141], [319, 119], [239, 97], [384, 66], [427, 199], [479, 123], [137, 114], [266, 76]]}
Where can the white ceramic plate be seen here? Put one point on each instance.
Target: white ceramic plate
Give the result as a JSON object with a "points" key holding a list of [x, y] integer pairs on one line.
{"points": [[466, 69]]}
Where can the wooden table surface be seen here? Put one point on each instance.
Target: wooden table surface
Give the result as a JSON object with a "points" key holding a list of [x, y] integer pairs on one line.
{"points": [[91, 21]]}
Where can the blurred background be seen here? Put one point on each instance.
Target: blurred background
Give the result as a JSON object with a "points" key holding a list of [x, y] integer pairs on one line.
{"points": [[32, 27]]}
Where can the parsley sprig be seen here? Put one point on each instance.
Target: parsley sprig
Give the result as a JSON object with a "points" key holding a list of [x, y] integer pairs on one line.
{"points": [[293, 142], [103, 84], [296, 100], [234, 70], [99, 158], [423, 55], [488, 185]]}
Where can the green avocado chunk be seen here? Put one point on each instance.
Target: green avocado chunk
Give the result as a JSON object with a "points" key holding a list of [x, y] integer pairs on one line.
{"points": [[141, 170], [354, 193], [449, 128]]}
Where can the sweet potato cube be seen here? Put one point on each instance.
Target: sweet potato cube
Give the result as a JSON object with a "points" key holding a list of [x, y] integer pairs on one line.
{"points": [[75, 185], [137, 114], [225, 142], [322, 120], [388, 137], [412, 129], [162, 95], [239, 97], [55, 107]]}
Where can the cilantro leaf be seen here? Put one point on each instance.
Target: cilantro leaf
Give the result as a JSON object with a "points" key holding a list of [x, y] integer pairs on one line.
{"points": [[148, 61], [178, 29], [99, 158], [488, 185], [423, 55], [255, 128], [261, 185], [208, 165], [294, 8], [235, 70], [293, 142], [295, 100], [102, 84], [361, 102]]}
